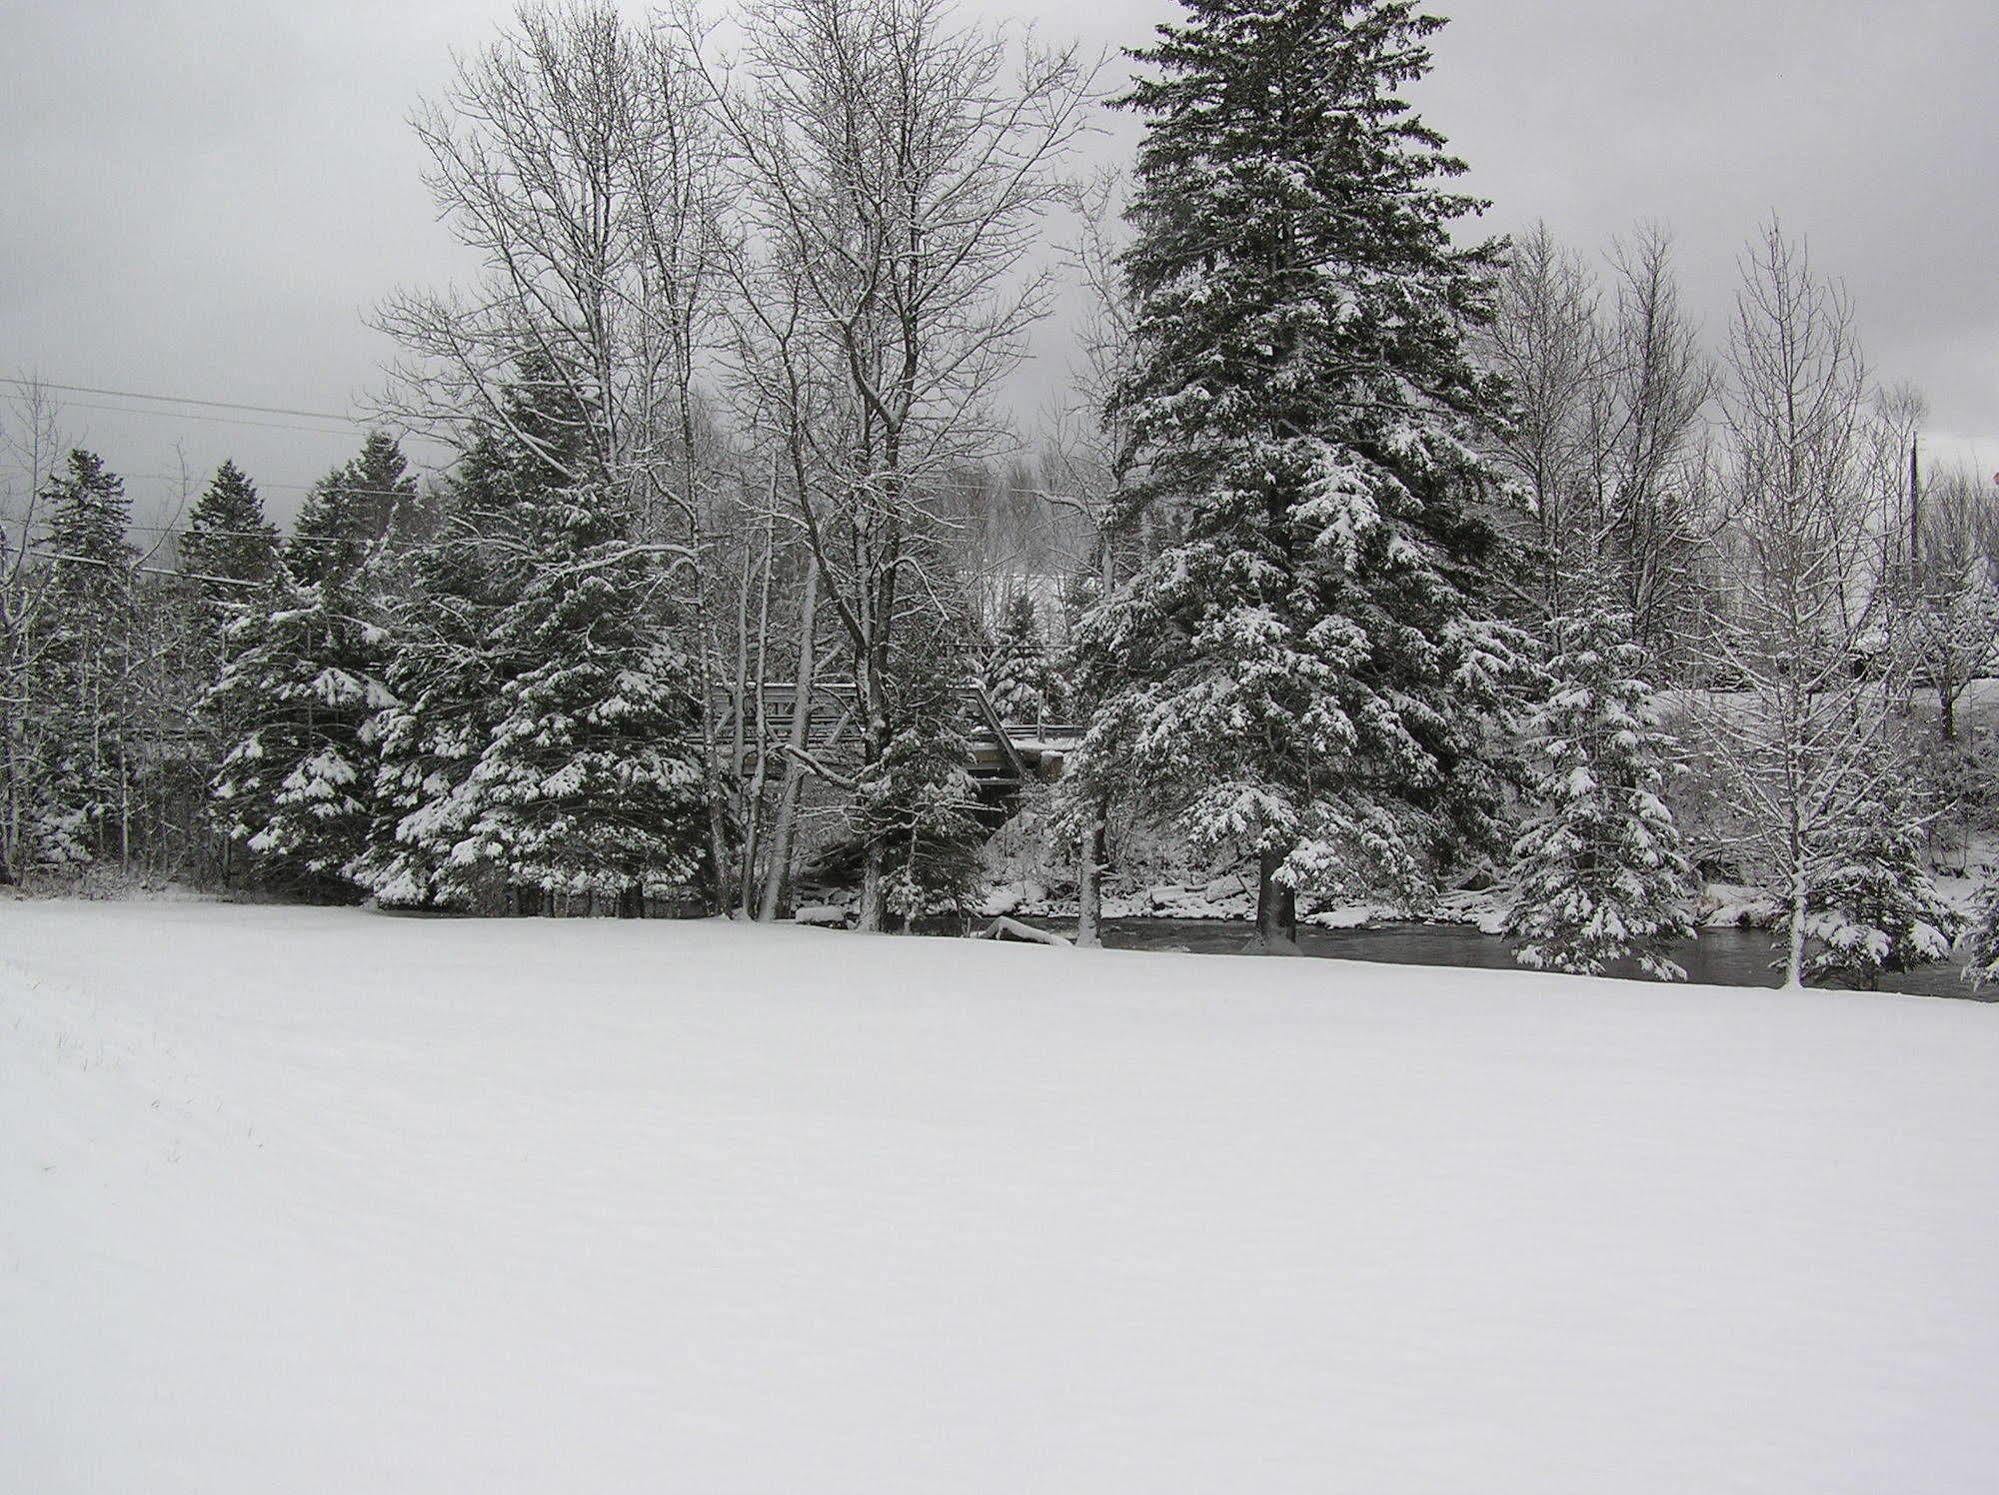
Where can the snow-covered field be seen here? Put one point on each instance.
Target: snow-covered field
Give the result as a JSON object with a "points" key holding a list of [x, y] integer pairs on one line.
{"points": [[299, 1201]]}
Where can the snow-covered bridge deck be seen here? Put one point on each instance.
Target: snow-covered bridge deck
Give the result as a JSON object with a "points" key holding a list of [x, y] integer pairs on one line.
{"points": [[1004, 754]]}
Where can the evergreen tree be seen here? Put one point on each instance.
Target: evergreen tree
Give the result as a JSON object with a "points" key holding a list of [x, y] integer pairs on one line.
{"points": [[301, 683], [1599, 875], [918, 801], [350, 511], [228, 537], [85, 666], [541, 735], [1307, 672], [1875, 908], [228, 556], [1019, 679], [1982, 940], [88, 517], [443, 676], [301, 687], [589, 781]]}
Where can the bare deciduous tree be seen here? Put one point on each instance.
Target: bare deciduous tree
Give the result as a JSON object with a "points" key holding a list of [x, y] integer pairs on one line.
{"points": [[1605, 436], [891, 167], [1661, 382], [1937, 535], [1546, 339], [1808, 740], [574, 157]]}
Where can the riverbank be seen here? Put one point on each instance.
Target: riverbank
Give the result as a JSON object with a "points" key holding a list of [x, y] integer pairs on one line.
{"points": [[1726, 955]]}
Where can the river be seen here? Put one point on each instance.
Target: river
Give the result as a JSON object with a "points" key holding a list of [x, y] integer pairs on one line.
{"points": [[1720, 957]]}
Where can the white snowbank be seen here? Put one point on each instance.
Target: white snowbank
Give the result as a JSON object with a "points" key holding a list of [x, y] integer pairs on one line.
{"points": [[821, 916], [305, 1201], [1728, 905]]}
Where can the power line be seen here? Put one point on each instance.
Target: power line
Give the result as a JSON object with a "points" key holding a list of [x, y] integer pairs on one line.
{"points": [[123, 394], [209, 534], [999, 490], [129, 394], [224, 420], [331, 481], [87, 560]]}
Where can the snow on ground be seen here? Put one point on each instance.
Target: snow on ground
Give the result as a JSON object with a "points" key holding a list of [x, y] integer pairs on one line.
{"points": [[312, 1200]]}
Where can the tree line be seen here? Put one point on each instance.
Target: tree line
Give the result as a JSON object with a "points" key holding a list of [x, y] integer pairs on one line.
{"points": [[1368, 555]]}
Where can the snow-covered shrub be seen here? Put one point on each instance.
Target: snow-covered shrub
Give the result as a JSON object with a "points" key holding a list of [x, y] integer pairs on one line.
{"points": [[1876, 908], [1982, 940]]}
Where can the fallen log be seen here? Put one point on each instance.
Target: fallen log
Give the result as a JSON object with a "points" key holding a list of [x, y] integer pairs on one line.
{"points": [[1026, 934]]}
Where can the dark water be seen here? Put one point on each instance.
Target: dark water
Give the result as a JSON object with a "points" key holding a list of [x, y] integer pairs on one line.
{"points": [[1720, 957]]}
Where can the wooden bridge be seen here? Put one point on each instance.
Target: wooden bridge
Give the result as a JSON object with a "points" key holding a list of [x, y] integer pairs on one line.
{"points": [[1005, 755]]}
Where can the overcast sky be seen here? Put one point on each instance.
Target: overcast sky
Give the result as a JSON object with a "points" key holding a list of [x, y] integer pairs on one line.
{"points": [[202, 197]]}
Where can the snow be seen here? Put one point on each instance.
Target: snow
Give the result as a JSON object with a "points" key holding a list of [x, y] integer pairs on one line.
{"points": [[822, 915], [1729, 905], [326, 1200]]}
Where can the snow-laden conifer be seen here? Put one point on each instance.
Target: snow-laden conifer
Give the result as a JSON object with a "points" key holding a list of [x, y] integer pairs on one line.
{"points": [[917, 801], [1875, 907], [228, 538], [443, 675], [1306, 675], [351, 510], [1019, 678], [1598, 875], [541, 739], [588, 782], [76, 799], [302, 684], [1981, 939]]}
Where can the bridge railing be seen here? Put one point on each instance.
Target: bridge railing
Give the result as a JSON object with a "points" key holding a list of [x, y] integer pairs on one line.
{"points": [[833, 723]]}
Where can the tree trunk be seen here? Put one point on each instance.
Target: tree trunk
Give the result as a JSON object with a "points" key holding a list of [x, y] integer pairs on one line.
{"points": [[1276, 909], [778, 871], [1794, 955], [10, 786], [873, 913], [869, 689], [753, 809], [631, 902], [1090, 883], [733, 895]]}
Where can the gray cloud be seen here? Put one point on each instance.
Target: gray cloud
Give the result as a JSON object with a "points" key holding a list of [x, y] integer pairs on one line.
{"points": [[203, 197]]}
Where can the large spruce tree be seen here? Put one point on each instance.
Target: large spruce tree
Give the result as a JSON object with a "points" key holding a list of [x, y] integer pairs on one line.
{"points": [[539, 739], [1304, 674], [443, 675], [444, 668], [588, 783]]}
